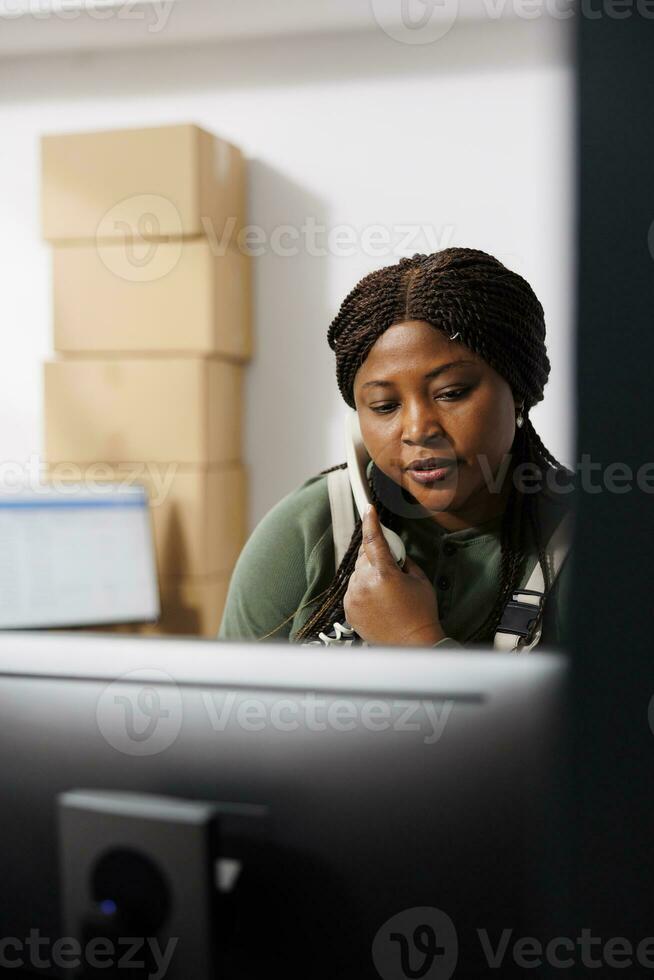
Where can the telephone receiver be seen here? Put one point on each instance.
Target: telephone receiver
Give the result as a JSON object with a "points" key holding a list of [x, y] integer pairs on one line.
{"points": [[357, 458], [357, 463]]}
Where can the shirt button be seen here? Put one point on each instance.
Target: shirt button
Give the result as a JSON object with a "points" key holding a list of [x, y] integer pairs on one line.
{"points": [[449, 548], [443, 582]]}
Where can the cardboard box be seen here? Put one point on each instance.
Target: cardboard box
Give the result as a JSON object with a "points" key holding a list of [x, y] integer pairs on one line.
{"points": [[175, 297], [199, 514], [199, 519], [141, 183], [191, 607], [160, 409]]}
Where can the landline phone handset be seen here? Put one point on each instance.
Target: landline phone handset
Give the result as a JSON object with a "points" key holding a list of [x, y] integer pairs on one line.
{"points": [[357, 458], [511, 633], [357, 463]]}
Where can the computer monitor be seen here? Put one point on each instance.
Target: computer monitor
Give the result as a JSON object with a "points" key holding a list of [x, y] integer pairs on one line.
{"points": [[412, 798], [72, 556]]}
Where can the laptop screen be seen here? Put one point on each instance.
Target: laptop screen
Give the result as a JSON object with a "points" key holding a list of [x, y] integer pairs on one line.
{"points": [[71, 557]]}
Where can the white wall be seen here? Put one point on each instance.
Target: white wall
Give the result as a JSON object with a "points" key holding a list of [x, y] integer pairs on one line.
{"points": [[470, 135]]}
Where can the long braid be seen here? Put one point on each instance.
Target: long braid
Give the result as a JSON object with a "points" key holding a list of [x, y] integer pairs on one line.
{"points": [[523, 521], [470, 296]]}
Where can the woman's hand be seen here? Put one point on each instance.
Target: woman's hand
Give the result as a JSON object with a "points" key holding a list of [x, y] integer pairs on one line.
{"points": [[385, 603]]}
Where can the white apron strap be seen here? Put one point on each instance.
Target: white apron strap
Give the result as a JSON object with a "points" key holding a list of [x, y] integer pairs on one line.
{"points": [[525, 604], [342, 507]]}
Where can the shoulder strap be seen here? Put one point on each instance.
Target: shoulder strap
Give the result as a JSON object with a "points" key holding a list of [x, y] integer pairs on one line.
{"points": [[526, 603], [342, 508], [521, 608]]}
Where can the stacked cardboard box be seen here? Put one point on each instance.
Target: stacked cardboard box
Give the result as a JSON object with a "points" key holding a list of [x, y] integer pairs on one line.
{"points": [[152, 331]]}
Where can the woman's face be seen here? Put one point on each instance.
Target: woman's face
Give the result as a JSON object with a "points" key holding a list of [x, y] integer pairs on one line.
{"points": [[420, 395]]}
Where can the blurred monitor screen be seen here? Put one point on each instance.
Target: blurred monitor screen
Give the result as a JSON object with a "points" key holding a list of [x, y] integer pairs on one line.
{"points": [[72, 557]]}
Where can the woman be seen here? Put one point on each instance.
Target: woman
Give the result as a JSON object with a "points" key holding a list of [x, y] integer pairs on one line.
{"points": [[442, 356]]}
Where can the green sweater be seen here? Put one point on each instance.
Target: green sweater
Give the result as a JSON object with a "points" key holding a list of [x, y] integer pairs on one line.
{"points": [[289, 559]]}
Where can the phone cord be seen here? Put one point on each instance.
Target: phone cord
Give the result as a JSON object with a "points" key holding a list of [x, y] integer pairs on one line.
{"points": [[341, 634]]}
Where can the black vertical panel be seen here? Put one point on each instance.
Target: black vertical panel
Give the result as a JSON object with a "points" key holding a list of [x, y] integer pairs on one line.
{"points": [[613, 610]]}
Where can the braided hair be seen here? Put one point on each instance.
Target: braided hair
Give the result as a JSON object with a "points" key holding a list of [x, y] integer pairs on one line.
{"points": [[495, 313]]}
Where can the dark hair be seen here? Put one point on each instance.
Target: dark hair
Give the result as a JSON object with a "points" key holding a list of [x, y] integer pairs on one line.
{"points": [[496, 314]]}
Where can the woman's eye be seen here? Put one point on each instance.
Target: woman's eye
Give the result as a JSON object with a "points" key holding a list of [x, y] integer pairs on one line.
{"points": [[453, 394]]}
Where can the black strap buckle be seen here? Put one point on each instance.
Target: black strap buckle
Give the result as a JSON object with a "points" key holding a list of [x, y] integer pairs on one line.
{"points": [[519, 617]]}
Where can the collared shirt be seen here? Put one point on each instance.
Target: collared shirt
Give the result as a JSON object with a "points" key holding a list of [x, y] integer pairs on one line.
{"points": [[288, 561]]}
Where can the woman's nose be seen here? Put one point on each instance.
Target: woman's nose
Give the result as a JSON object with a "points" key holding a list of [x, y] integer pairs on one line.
{"points": [[421, 425]]}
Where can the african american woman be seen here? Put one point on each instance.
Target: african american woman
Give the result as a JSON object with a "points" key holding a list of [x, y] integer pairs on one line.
{"points": [[442, 356]]}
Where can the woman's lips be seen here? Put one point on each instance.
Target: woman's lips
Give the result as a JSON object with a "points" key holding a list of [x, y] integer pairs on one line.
{"points": [[431, 476]]}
